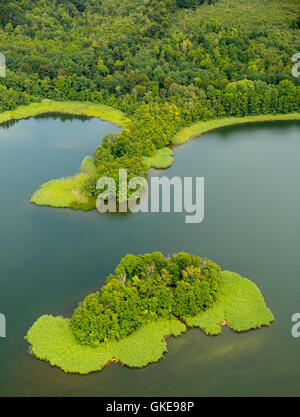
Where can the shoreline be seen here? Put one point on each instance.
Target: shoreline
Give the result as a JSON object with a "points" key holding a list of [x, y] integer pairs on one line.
{"points": [[46, 194], [199, 128], [65, 192], [240, 305], [76, 108], [163, 158]]}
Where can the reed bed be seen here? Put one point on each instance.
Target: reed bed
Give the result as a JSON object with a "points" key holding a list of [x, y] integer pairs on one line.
{"points": [[197, 129], [52, 339], [161, 159], [67, 107], [239, 303]]}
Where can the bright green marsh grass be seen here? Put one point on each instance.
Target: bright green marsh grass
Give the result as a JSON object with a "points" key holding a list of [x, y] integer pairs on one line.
{"points": [[147, 345], [64, 192], [67, 192], [197, 129], [161, 159], [240, 303], [52, 339], [67, 107]]}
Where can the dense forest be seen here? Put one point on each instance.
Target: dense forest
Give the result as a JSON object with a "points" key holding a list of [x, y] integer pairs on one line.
{"points": [[165, 63], [145, 288]]}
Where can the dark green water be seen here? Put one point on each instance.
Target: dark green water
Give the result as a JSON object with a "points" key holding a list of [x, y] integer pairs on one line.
{"points": [[51, 258]]}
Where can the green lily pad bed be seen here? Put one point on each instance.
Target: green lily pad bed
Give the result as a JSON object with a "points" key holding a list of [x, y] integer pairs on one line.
{"points": [[239, 304]]}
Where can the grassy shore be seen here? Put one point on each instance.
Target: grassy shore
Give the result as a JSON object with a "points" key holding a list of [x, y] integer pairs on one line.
{"points": [[67, 107], [161, 159], [240, 303], [197, 129], [52, 339], [66, 192]]}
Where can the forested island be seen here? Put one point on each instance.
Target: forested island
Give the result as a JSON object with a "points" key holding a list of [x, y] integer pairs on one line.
{"points": [[163, 70], [148, 298]]}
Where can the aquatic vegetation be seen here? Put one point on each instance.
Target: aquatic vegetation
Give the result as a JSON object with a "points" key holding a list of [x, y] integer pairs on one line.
{"points": [[68, 107], [161, 159], [153, 79], [197, 129], [69, 191], [142, 289], [76, 345], [51, 339], [80, 190], [64, 192], [239, 303]]}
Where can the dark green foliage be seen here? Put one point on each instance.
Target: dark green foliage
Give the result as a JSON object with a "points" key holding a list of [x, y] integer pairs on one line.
{"points": [[10, 98], [144, 288], [165, 63], [152, 129], [133, 52], [191, 4]]}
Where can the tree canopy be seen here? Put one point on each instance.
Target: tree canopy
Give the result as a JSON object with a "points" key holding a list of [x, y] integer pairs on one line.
{"points": [[165, 63], [142, 289]]}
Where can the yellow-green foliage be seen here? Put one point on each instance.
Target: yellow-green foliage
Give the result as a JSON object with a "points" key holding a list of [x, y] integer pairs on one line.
{"points": [[64, 192], [68, 107], [51, 339], [67, 192], [146, 345], [240, 303], [88, 167], [163, 158], [199, 128]]}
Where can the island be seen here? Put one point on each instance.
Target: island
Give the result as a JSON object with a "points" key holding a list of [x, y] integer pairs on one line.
{"points": [[162, 70], [147, 299]]}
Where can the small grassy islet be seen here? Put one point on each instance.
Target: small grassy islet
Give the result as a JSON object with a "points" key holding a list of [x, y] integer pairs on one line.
{"points": [[239, 304]]}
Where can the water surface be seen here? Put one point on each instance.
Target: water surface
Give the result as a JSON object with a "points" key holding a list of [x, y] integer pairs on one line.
{"points": [[51, 258]]}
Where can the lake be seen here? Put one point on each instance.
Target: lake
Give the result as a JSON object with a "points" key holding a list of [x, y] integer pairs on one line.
{"points": [[51, 258]]}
